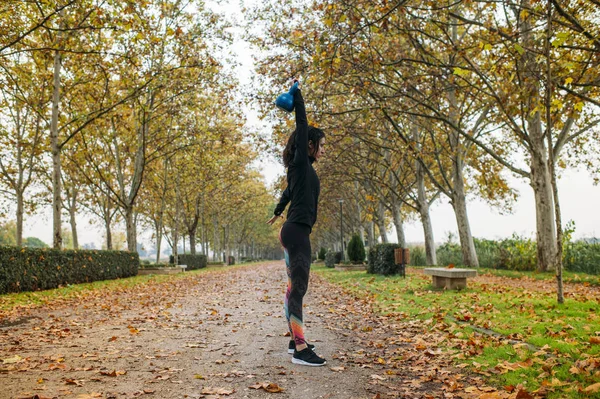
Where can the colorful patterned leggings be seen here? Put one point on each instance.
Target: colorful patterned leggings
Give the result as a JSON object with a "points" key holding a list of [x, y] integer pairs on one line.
{"points": [[296, 245]]}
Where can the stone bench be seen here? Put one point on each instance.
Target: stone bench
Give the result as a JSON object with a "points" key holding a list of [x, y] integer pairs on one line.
{"points": [[450, 279]]}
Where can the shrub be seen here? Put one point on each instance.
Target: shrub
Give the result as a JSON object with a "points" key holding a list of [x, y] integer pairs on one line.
{"points": [[382, 260], [356, 250], [193, 262], [332, 258], [338, 257], [372, 258], [517, 253], [34, 242], [449, 253], [322, 253], [581, 256], [417, 256], [31, 269], [488, 252]]}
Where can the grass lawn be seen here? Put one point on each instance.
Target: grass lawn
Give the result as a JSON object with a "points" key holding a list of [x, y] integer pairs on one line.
{"points": [[10, 302], [563, 355]]}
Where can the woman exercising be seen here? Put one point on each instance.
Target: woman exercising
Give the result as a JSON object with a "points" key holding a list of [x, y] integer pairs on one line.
{"points": [[304, 146]]}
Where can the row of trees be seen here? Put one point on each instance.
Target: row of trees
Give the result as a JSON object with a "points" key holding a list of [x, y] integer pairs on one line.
{"points": [[423, 100], [124, 110]]}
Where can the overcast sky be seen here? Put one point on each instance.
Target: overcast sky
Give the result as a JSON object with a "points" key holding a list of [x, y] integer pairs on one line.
{"points": [[579, 197]]}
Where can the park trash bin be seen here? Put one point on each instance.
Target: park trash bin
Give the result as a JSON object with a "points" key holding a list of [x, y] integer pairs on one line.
{"points": [[402, 258]]}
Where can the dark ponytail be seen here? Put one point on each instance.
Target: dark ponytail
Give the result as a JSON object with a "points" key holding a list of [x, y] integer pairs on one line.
{"points": [[314, 134], [290, 150]]}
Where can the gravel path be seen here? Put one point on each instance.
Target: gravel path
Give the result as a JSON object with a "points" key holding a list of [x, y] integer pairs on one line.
{"points": [[217, 334]]}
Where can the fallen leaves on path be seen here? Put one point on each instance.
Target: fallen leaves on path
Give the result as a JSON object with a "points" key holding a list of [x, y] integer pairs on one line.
{"points": [[217, 391], [267, 386]]}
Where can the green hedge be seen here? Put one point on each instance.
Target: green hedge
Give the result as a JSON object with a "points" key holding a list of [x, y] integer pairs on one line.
{"points": [[382, 259], [519, 253], [371, 259], [193, 262], [31, 269]]}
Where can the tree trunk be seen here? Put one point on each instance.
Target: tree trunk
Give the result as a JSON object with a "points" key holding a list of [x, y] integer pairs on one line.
{"points": [[423, 205], [203, 222], [130, 229], [399, 224], [192, 235], [73, 220], [55, 150], [467, 245], [371, 232], [108, 235], [545, 222], [381, 222], [216, 248], [158, 229], [20, 211], [107, 221], [174, 246], [361, 227], [459, 202], [531, 71], [552, 163], [226, 243], [430, 255]]}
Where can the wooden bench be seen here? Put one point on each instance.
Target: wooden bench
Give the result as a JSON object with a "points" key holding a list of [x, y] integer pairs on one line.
{"points": [[450, 279]]}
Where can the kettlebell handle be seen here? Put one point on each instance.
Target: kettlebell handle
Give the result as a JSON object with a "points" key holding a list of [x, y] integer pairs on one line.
{"points": [[294, 88]]}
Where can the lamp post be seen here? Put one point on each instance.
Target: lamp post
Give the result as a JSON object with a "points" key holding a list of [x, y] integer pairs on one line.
{"points": [[342, 229]]}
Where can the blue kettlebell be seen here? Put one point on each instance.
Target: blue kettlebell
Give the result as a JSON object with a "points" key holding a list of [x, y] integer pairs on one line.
{"points": [[285, 101]]}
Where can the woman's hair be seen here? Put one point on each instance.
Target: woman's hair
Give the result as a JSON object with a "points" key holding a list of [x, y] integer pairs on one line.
{"points": [[314, 134]]}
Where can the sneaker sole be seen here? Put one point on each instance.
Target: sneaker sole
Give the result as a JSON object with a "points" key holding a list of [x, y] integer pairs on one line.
{"points": [[303, 363]]}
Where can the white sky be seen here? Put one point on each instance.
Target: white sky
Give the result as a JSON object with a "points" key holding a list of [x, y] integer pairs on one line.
{"points": [[579, 197]]}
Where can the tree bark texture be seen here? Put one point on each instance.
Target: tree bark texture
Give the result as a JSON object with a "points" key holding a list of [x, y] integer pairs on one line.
{"points": [[20, 211], [399, 224], [530, 72], [55, 150], [381, 222], [371, 232], [73, 217]]}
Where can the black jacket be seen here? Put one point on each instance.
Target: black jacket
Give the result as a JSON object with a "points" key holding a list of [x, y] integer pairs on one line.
{"points": [[303, 183]]}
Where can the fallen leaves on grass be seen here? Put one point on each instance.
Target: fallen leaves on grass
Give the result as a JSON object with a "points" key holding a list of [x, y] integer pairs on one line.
{"points": [[594, 388]]}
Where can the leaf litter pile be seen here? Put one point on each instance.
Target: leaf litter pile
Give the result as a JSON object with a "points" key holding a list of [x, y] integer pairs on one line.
{"points": [[222, 334]]}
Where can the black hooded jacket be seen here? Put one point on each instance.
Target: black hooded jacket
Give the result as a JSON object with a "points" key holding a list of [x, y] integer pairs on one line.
{"points": [[303, 183]]}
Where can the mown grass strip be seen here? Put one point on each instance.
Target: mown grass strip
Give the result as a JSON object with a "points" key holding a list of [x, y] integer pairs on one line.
{"points": [[9, 302], [568, 334]]}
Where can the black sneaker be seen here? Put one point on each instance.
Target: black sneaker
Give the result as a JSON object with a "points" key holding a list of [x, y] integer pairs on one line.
{"points": [[292, 347], [307, 357]]}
